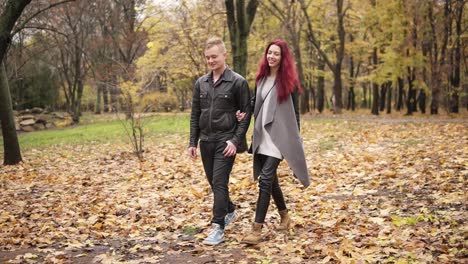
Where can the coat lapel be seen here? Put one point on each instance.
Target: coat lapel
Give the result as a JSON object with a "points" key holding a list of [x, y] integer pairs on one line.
{"points": [[272, 105], [260, 100]]}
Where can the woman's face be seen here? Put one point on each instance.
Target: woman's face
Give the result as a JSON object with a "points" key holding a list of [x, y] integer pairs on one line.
{"points": [[274, 56]]}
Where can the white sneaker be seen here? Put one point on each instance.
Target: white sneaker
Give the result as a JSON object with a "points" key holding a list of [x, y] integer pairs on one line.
{"points": [[229, 218], [215, 235]]}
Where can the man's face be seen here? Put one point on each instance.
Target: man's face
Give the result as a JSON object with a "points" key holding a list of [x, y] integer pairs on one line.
{"points": [[215, 58]]}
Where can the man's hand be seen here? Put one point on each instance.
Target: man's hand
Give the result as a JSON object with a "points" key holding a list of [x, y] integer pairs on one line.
{"points": [[192, 151], [240, 115], [230, 149]]}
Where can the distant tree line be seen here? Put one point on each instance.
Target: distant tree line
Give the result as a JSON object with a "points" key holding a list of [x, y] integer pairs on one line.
{"points": [[388, 55]]}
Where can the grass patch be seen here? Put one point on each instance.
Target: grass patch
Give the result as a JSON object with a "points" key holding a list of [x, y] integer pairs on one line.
{"points": [[108, 128], [102, 130], [412, 142], [328, 144], [190, 230]]}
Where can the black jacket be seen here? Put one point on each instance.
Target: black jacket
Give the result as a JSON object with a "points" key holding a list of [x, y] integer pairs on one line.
{"points": [[214, 109]]}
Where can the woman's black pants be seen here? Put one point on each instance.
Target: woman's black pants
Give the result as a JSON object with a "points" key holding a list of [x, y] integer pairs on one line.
{"points": [[268, 186]]}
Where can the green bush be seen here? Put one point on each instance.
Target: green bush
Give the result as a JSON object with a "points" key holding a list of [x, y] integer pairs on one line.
{"points": [[37, 87]]}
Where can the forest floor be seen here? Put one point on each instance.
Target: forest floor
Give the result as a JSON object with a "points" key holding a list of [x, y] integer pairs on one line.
{"points": [[388, 189]]}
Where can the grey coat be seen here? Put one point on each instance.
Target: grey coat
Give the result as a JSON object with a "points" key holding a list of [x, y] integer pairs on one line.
{"points": [[283, 127]]}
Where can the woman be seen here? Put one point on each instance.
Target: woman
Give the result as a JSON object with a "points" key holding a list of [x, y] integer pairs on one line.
{"points": [[276, 133]]}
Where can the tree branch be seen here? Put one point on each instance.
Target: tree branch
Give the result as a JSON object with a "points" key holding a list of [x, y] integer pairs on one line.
{"points": [[231, 20], [240, 13], [279, 13], [251, 11], [313, 39], [45, 28], [37, 13]]}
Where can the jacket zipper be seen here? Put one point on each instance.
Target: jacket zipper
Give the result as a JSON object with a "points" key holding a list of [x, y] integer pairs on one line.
{"points": [[211, 110]]}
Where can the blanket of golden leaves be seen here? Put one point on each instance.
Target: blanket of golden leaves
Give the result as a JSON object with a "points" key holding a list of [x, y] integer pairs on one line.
{"points": [[382, 192]]}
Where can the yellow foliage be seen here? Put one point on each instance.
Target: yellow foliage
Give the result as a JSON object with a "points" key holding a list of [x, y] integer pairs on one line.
{"points": [[159, 102], [130, 87]]}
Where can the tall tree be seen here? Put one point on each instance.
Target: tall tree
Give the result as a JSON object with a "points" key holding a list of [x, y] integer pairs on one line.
{"points": [[72, 37], [411, 101], [375, 86], [339, 48], [11, 148], [354, 70], [101, 56], [288, 13], [438, 44], [128, 39], [175, 52], [9, 15], [239, 20], [389, 97], [456, 58], [401, 87]]}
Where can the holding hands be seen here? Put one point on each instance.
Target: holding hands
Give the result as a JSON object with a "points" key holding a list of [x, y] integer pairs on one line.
{"points": [[240, 115]]}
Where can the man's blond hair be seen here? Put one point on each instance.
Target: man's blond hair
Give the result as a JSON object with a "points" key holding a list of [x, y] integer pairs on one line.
{"points": [[215, 41]]}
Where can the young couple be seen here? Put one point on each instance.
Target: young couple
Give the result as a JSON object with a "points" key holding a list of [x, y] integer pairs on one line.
{"points": [[221, 112]]}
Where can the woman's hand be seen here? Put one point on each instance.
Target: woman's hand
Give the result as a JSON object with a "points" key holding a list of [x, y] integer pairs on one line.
{"points": [[240, 115], [230, 149]]}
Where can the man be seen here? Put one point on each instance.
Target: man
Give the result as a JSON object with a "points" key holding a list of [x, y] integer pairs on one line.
{"points": [[216, 98]]}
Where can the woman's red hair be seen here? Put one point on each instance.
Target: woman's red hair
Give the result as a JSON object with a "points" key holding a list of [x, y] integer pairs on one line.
{"points": [[286, 78]]}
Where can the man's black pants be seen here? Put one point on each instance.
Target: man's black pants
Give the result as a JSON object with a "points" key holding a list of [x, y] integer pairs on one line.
{"points": [[217, 170]]}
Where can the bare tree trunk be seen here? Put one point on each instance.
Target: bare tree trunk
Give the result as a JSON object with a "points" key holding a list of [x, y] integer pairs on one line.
{"points": [[105, 98], [389, 97], [77, 107], [114, 97], [411, 103], [422, 101], [340, 52], [375, 99], [337, 90], [320, 86], [375, 87], [383, 96], [335, 67], [437, 54], [77, 85], [351, 96], [465, 88], [239, 20], [411, 100], [455, 74], [11, 148], [10, 14], [364, 95], [97, 110], [351, 99], [304, 103], [401, 87], [295, 43], [310, 88]]}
